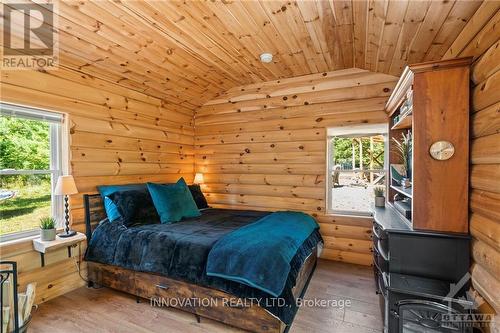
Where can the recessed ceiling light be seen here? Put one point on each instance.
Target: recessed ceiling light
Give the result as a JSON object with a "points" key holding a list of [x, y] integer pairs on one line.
{"points": [[266, 57]]}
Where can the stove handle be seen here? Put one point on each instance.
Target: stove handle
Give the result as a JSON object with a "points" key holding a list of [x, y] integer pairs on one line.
{"points": [[394, 314]]}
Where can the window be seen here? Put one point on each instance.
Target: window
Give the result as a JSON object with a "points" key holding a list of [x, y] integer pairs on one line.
{"points": [[356, 164], [30, 163]]}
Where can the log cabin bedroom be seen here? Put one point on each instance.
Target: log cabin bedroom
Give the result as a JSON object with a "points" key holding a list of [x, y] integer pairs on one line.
{"points": [[327, 166]]}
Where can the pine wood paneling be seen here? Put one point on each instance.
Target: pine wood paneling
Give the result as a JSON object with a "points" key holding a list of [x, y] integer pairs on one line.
{"points": [[486, 122], [346, 231], [365, 259], [488, 286], [116, 135], [480, 39], [189, 52], [485, 230], [486, 256], [263, 146]]}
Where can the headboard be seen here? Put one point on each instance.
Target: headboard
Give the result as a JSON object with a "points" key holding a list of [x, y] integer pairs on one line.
{"points": [[94, 213]]}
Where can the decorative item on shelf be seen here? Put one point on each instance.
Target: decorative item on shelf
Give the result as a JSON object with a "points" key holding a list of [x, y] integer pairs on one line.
{"points": [[404, 207], [409, 96], [397, 174], [403, 149], [66, 186], [379, 196], [47, 228], [395, 120], [198, 178], [407, 110], [398, 196], [403, 109], [406, 183]]}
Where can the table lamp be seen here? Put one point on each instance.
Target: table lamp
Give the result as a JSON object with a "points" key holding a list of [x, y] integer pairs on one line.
{"points": [[66, 186], [198, 178]]}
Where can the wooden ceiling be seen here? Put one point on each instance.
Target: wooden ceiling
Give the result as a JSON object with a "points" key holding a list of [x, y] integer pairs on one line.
{"points": [[187, 52]]}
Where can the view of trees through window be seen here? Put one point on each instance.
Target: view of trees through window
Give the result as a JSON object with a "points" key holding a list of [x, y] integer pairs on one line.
{"points": [[25, 196], [357, 166]]}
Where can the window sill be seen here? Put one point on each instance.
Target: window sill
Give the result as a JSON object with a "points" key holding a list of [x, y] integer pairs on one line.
{"points": [[20, 238], [345, 214], [15, 246]]}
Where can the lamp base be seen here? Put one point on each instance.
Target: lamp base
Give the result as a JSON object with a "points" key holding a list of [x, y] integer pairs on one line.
{"points": [[64, 234]]}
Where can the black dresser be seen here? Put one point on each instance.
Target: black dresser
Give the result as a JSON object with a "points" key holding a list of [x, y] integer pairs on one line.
{"points": [[420, 276]]}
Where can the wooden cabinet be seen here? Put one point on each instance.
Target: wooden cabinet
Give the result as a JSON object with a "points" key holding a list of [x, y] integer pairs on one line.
{"points": [[431, 101]]}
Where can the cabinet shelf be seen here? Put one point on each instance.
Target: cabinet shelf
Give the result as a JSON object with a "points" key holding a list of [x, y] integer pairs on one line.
{"points": [[403, 123], [404, 191]]}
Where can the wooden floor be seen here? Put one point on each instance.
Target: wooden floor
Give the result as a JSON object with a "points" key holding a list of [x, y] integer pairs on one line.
{"points": [[105, 310]]}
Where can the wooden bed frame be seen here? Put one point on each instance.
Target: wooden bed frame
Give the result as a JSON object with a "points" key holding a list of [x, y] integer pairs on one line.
{"points": [[153, 286]]}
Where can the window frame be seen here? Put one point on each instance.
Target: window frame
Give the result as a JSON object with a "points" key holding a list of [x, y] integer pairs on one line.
{"points": [[351, 131], [57, 164]]}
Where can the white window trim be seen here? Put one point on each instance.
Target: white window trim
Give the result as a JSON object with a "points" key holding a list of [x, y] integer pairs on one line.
{"points": [[355, 130], [58, 159], [56, 166]]}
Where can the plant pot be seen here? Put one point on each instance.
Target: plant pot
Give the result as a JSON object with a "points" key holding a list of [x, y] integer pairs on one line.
{"points": [[48, 234], [379, 201]]}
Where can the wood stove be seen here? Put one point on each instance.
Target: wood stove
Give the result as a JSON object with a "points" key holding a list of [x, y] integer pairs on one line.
{"points": [[419, 276]]}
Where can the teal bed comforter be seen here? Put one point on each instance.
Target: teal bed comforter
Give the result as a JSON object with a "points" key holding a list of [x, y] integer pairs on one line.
{"points": [[263, 259]]}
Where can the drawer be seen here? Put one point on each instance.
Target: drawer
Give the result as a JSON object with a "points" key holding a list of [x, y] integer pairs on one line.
{"points": [[378, 232], [380, 262], [382, 243], [382, 284], [149, 286]]}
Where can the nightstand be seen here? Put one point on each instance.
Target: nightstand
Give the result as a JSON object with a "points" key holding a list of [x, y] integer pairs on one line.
{"points": [[47, 246]]}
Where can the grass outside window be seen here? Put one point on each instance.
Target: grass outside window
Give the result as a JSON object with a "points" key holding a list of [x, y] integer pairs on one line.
{"points": [[30, 202]]}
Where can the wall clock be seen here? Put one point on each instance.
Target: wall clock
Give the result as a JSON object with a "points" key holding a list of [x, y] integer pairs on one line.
{"points": [[442, 150]]}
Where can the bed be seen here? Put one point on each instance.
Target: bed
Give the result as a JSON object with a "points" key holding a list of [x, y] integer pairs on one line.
{"points": [[121, 258]]}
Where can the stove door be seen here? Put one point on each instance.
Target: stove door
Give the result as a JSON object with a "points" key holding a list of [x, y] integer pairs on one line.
{"points": [[420, 316]]}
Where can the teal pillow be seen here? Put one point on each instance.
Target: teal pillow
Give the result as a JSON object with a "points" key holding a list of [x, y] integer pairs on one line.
{"points": [[173, 202]]}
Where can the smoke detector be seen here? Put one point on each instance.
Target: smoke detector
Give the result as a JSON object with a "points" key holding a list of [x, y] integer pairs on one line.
{"points": [[266, 57]]}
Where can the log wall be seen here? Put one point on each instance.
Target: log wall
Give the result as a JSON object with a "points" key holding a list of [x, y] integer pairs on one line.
{"points": [[116, 135], [263, 146], [480, 39], [260, 146]]}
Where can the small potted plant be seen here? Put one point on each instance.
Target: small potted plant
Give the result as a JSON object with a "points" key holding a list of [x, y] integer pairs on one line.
{"points": [[379, 196], [47, 228]]}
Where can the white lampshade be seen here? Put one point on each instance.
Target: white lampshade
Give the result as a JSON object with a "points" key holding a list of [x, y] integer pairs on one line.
{"points": [[65, 186], [198, 178]]}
